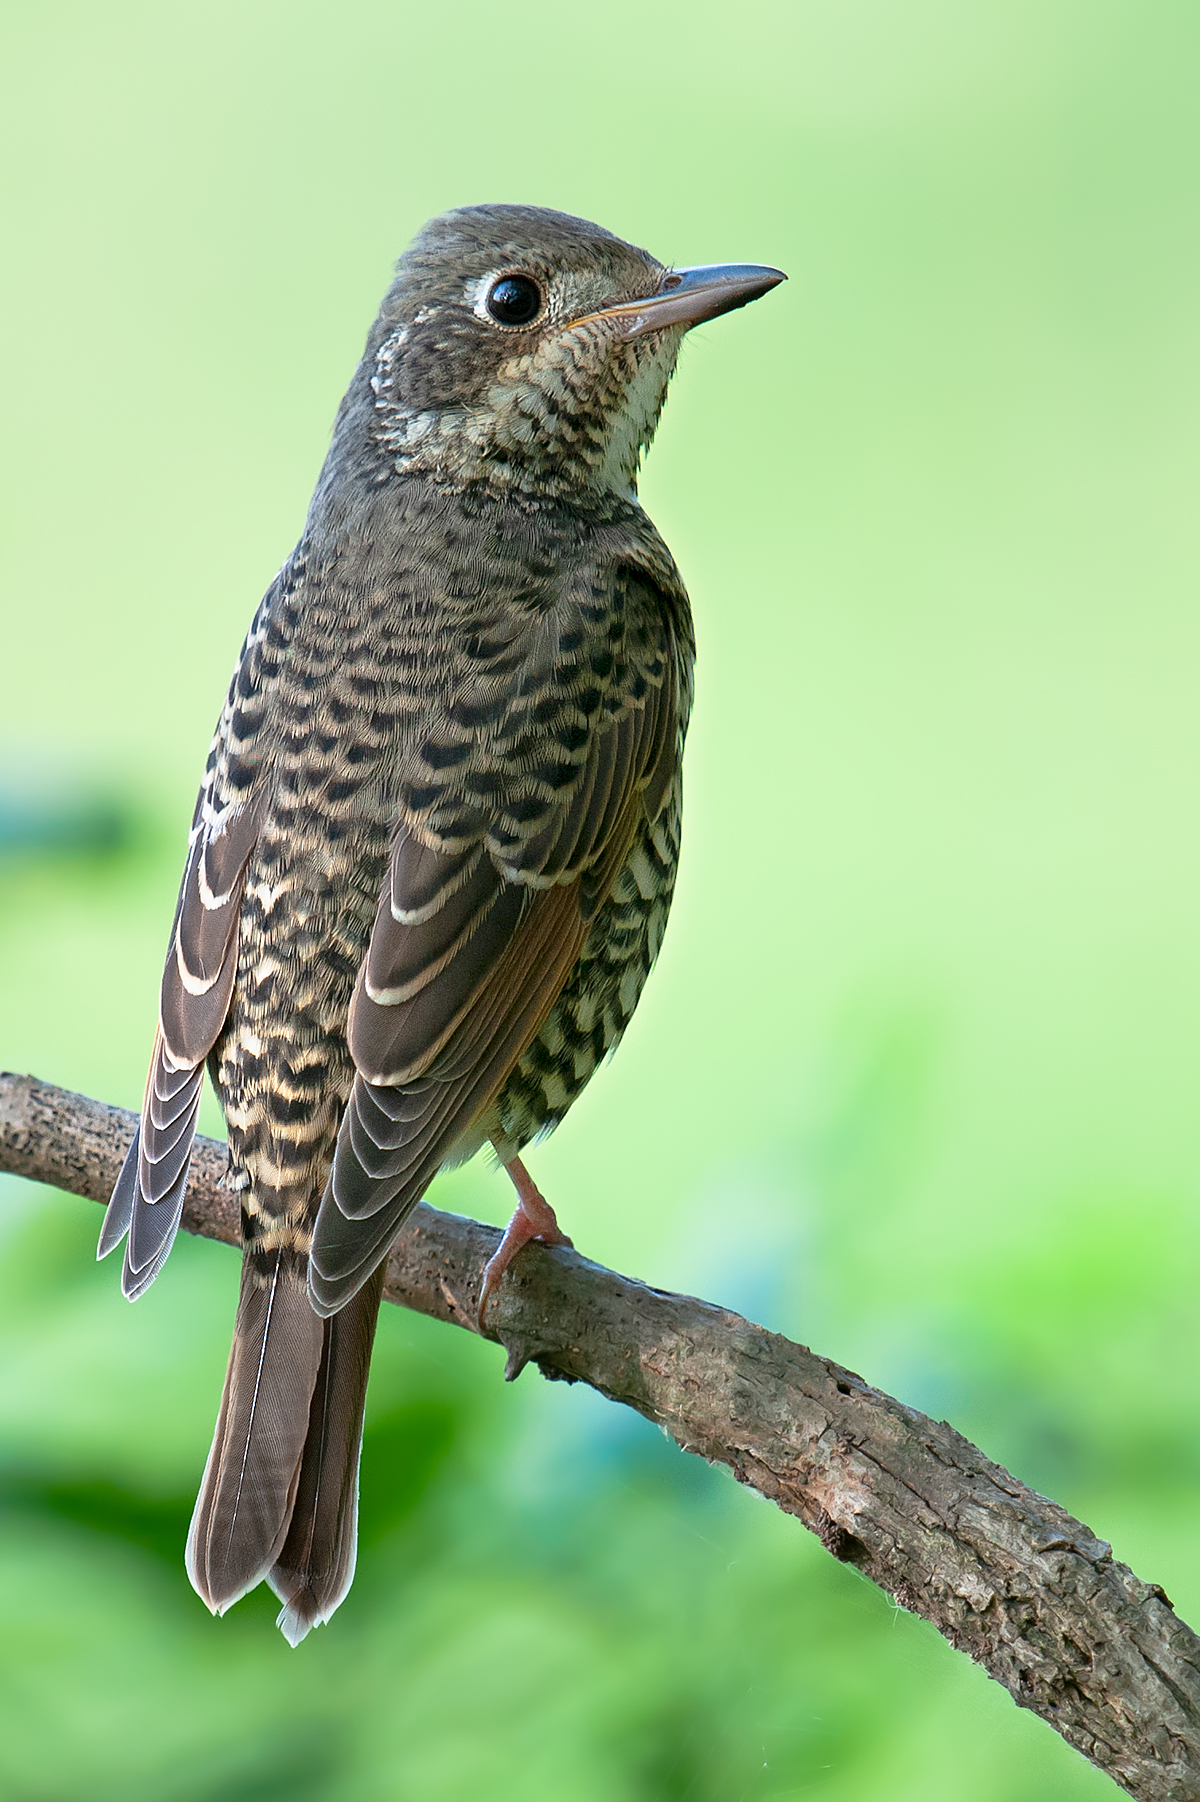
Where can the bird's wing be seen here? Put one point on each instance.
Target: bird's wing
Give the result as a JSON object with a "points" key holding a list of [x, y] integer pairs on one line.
{"points": [[198, 978], [533, 781]]}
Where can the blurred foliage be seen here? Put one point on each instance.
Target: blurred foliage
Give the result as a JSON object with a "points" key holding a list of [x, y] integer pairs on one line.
{"points": [[916, 1079]]}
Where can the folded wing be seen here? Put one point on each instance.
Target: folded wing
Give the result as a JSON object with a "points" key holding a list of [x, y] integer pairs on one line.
{"points": [[496, 870], [194, 999]]}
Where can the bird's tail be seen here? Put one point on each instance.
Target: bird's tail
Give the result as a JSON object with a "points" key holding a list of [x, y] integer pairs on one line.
{"points": [[280, 1490], [315, 1568]]}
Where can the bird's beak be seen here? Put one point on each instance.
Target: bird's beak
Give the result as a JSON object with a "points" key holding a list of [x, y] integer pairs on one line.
{"points": [[687, 296]]}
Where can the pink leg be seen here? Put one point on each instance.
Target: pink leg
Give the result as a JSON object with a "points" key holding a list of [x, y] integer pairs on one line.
{"points": [[534, 1219]]}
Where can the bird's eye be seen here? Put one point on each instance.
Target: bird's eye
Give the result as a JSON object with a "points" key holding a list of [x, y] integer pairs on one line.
{"points": [[514, 299]]}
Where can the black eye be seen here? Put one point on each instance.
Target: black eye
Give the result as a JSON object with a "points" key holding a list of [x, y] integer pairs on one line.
{"points": [[514, 300]]}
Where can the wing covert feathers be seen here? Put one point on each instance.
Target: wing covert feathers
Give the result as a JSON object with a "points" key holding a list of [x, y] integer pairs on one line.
{"points": [[394, 1138], [197, 986], [470, 949]]}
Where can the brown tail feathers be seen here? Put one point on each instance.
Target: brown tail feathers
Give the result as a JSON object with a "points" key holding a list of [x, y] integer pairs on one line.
{"points": [[279, 1499], [316, 1565]]}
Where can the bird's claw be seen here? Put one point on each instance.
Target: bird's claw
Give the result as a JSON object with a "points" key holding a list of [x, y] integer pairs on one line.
{"points": [[534, 1219]]}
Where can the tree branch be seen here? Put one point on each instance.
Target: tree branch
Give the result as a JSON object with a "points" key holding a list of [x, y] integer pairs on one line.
{"points": [[1007, 1576]]}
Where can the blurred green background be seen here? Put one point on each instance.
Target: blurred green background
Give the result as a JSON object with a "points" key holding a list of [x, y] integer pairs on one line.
{"points": [[916, 1080]]}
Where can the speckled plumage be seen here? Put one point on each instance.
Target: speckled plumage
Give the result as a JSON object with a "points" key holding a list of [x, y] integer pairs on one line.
{"points": [[435, 845]]}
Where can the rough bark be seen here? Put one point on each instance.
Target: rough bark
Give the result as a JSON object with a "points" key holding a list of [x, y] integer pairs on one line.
{"points": [[1007, 1576]]}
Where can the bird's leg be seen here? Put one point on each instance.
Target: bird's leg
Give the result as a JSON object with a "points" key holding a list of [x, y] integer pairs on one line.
{"points": [[534, 1219]]}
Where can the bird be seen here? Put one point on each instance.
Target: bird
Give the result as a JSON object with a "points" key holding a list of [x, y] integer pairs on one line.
{"points": [[436, 838]]}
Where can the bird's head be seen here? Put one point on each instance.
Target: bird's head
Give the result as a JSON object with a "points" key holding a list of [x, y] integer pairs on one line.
{"points": [[523, 347]]}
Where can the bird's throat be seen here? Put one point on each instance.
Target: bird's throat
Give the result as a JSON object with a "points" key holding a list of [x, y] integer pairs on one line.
{"points": [[575, 419]]}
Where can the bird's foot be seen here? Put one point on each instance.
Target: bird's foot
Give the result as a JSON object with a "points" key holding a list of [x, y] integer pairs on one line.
{"points": [[534, 1219]]}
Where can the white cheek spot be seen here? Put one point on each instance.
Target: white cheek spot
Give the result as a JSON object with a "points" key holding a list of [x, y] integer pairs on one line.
{"points": [[385, 359], [407, 430], [475, 294]]}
